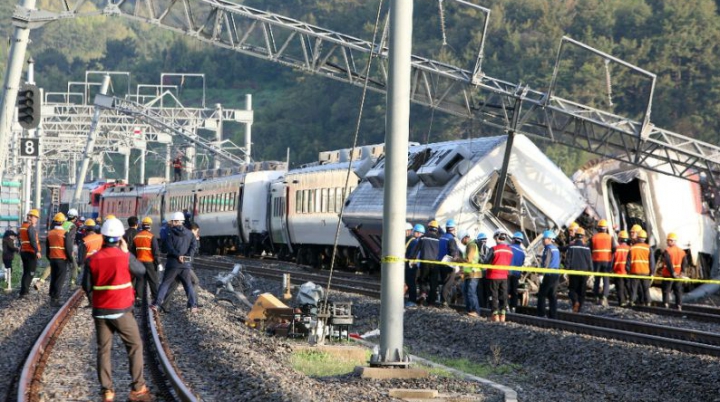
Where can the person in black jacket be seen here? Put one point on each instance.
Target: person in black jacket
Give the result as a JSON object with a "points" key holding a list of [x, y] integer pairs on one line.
{"points": [[10, 248], [578, 258], [181, 247], [427, 249]]}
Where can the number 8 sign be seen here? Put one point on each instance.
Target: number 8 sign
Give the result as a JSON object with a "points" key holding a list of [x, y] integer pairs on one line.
{"points": [[29, 147]]}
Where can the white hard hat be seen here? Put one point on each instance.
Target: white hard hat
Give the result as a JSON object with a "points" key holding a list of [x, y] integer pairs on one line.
{"points": [[112, 228], [408, 226], [72, 213], [464, 234], [177, 216]]}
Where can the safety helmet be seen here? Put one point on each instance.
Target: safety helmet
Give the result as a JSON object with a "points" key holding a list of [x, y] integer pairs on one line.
{"points": [[72, 213], [419, 228], [580, 232], [433, 224], [464, 234], [636, 228], [549, 234], [642, 234], [177, 216], [408, 225], [573, 226], [603, 223], [623, 235], [481, 236], [499, 233], [59, 217], [147, 221], [34, 212], [450, 224], [672, 236], [111, 216], [89, 223], [519, 236], [112, 228]]}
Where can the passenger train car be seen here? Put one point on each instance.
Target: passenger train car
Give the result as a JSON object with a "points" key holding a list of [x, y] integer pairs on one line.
{"points": [[659, 203]]}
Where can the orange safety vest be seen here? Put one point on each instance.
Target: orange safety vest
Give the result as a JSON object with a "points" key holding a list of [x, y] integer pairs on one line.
{"points": [[676, 257], [640, 259], [25, 238], [601, 247], [112, 283], [143, 246], [93, 243], [177, 163], [56, 240], [620, 261]]}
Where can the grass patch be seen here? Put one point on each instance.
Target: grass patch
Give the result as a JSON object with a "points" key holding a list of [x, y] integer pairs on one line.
{"points": [[322, 364]]}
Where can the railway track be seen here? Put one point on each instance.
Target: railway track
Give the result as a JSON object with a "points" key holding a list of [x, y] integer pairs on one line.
{"points": [[164, 379], [690, 341]]}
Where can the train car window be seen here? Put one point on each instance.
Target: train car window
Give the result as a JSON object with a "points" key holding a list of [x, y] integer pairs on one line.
{"points": [[311, 201], [298, 201], [331, 200], [338, 198], [324, 200]]}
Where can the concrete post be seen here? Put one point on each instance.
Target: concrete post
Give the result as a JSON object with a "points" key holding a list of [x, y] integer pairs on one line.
{"points": [[142, 166], [12, 83], [168, 162], [248, 131], [397, 133], [126, 168], [218, 135], [101, 165], [90, 146]]}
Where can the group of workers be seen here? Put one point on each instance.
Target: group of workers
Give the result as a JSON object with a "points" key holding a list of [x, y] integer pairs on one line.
{"points": [[498, 289], [117, 264]]}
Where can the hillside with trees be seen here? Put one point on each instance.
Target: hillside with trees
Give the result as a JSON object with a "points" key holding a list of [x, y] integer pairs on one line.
{"points": [[676, 39]]}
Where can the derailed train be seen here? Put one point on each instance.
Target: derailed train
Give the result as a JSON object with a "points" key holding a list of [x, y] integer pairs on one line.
{"points": [[294, 214]]}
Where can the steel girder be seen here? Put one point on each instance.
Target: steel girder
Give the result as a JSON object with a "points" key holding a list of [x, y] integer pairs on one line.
{"points": [[438, 85]]}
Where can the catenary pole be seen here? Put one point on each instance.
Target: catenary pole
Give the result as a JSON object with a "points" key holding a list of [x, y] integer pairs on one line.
{"points": [[397, 133], [90, 146], [27, 181], [248, 130], [12, 82]]}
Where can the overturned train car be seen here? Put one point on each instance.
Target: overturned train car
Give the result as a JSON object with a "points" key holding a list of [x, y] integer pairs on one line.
{"points": [[626, 195], [458, 180]]}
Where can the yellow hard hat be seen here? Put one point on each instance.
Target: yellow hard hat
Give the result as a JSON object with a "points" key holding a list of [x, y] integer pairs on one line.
{"points": [[636, 228], [623, 235], [642, 235], [672, 236], [580, 231], [147, 221], [59, 217], [111, 216], [573, 226], [603, 223], [433, 224], [89, 222], [34, 212]]}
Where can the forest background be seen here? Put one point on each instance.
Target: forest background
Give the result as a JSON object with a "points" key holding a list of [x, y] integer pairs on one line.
{"points": [[676, 39]]}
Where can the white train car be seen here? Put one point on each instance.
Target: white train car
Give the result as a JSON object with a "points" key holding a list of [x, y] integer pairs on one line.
{"points": [[305, 206], [626, 195], [458, 180]]}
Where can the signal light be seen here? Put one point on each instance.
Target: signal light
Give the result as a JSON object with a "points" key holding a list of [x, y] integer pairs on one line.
{"points": [[28, 107]]}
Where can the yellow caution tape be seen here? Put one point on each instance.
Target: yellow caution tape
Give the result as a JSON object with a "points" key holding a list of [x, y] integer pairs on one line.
{"points": [[558, 271]]}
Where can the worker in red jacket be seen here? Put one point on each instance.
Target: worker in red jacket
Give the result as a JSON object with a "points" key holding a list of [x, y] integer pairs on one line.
{"points": [[110, 273], [501, 254]]}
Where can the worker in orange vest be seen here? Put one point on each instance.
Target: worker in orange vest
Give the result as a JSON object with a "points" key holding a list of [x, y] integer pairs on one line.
{"points": [[675, 264], [640, 262], [59, 250], [177, 167], [90, 244], [619, 265], [29, 250], [145, 248], [602, 246]]}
